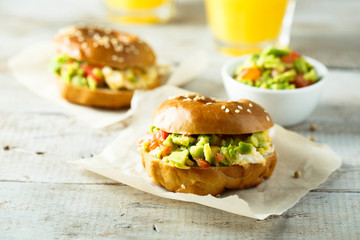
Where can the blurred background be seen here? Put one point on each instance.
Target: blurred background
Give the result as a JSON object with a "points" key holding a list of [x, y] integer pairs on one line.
{"points": [[327, 30]]}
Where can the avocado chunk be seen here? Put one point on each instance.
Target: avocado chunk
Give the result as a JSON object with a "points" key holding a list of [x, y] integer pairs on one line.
{"points": [[182, 140], [92, 83], [224, 151], [311, 76], [276, 51], [208, 153], [179, 159], [300, 65], [253, 140], [168, 142], [197, 151], [202, 140], [244, 148]]}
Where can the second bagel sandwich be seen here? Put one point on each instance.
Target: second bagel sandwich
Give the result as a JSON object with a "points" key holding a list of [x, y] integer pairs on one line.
{"points": [[101, 67]]}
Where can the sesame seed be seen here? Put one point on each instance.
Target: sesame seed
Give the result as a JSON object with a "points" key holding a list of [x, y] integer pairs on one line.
{"points": [[237, 110], [313, 127], [227, 110], [208, 103], [95, 44], [114, 57], [297, 174], [84, 45], [183, 186], [248, 110], [186, 99], [250, 104], [80, 39], [240, 107], [267, 118], [223, 107]]}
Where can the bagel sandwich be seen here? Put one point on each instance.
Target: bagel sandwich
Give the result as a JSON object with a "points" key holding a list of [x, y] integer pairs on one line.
{"points": [[101, 67], [202, 146]]}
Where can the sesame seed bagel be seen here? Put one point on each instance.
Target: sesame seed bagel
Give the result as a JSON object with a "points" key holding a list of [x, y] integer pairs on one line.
{"points": [[104, 46], [203, 181], [194, 114]]}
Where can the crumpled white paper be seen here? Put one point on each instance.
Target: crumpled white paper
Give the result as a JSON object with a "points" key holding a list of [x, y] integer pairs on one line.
{"points": [[30, 68], [121, 162]]}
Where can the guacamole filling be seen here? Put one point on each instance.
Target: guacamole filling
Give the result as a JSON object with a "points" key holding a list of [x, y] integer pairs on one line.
{"points": [[205, 150], [276, 68], [84, 74]]}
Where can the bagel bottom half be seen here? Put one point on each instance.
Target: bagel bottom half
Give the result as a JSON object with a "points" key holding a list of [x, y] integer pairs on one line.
{"points": [[204, 181], [100, 98]]}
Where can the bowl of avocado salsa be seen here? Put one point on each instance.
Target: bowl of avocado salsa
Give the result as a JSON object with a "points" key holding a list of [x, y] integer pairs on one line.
{"points": [[276, 68], [286, 84]]}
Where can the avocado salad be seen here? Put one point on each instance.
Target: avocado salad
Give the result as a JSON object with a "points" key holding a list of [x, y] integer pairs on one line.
{"points": [[276, 68], [205, 150], [84, 74]]}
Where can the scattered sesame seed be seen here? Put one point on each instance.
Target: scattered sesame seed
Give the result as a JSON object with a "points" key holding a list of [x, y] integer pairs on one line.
{"points": [[248, 110], [313, 127], [223, 107], [227, 110], [95, 44], [240, 107], [80, 39], [267, 118], [183, 186], [208, 103], [250, 104], [187, 99], [297, 174], [114, 57], [237, 110]]}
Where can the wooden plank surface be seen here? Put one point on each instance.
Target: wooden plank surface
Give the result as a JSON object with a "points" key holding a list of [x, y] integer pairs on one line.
{"points": [[42, 196]]}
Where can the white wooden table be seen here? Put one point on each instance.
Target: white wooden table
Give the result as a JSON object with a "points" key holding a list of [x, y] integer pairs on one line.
{"points": [[44, 197]]}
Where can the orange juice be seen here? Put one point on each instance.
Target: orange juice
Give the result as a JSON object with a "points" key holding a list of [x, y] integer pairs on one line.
{"points": [[246, 23], [139, 11]]}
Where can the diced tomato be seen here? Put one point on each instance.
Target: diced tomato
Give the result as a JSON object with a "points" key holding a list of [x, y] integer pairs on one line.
{"points": [[165, 150], [250, 73], [153, 145], [202, 163], [161, 134], [89, 72], [219, 157], [291, 57], [300, 81]]}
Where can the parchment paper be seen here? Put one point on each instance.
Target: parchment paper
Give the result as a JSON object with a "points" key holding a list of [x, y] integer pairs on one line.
{"points": [[120, 161], [30, 68]]}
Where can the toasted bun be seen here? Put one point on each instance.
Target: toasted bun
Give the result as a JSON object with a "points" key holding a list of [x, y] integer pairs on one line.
{"points": [[103, 46], [194, 114], [101, 98], [203, 181]]}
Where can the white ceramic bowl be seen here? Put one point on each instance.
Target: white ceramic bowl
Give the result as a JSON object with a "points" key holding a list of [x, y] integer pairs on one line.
{"points": [[286, 107]]}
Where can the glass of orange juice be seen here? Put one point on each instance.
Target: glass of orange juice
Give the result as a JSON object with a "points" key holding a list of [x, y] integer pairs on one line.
{"points": [[140, 11], [247, 26]]}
